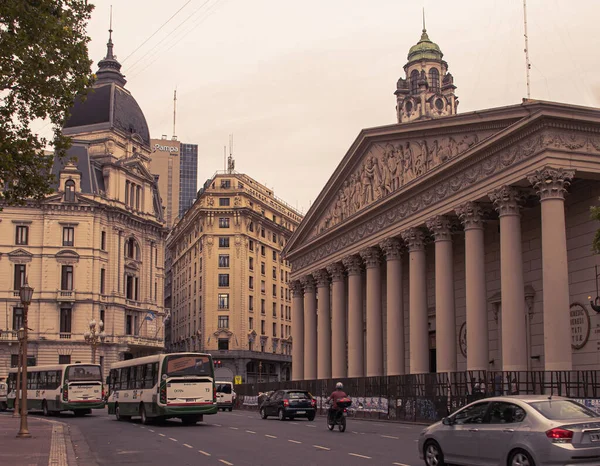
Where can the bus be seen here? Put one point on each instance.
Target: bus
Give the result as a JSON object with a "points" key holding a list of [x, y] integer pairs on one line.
{"points": [[163, 386], [63, 387]]}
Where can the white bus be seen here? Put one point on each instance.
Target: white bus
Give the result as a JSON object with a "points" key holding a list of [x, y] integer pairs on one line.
{"points": [[163, 386], [64, 387]]}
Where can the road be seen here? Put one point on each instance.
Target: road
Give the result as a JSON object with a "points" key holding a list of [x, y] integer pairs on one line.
{"points": [[241, 438]]}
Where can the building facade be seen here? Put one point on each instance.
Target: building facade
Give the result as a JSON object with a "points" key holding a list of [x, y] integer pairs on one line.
{"points": [[93, 250], [452, 242], [230, 293]]}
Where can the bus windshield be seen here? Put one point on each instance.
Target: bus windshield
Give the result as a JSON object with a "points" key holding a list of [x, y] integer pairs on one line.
{"points": [[188, 364], [83, 373]]}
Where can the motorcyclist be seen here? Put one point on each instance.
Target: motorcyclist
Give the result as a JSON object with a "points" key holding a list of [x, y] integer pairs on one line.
{"points": [[336, 395]]}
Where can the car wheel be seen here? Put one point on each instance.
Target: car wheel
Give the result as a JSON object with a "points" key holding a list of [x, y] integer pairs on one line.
{"points": [[45, 408], [433, 454], [281, 415], [263, 413], [521, 458]]}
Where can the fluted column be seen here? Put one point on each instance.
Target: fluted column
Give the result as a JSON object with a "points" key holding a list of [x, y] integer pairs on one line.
{"points": [[338, 334], [551, 185], [471, 216], [417, 301], [372, 258], [514, 336], [323, 324], [392, 248], [297, 331], [356, 344], [310, 328], [445, 314]]}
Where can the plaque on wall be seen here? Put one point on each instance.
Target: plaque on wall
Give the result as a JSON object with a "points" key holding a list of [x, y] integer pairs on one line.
{"points": [[580, 325], [462, 339]]}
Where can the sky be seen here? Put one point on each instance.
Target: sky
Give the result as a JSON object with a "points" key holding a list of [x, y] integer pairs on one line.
{"points": [[296, 81]]}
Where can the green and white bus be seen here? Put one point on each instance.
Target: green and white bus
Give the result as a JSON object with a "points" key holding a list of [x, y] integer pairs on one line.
{"points": [[64, 387], [163, 386]]}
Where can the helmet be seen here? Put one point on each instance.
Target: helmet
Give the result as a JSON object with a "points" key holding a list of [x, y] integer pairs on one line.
{"points": [[339, 386]]}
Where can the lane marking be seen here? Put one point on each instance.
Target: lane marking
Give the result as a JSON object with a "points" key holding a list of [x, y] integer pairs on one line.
{"points": [[354, 432], [162, 435], [186, 445], [270, 436], [226, 462], [321, 448], [250, 417], [400, 464], [234, 428], [217, 425], [294, 441], [142, 427], [310, 425], [174, 439], [360, 456], [204, 453], [150, 430], [391, 436], [294, 423], [251, 432]]}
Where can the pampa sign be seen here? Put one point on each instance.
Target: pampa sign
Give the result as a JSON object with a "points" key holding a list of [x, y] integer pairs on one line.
{"points": [[170, 149]]}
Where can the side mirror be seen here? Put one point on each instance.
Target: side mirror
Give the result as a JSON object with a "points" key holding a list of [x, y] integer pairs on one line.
{"points": [[447, 421]]}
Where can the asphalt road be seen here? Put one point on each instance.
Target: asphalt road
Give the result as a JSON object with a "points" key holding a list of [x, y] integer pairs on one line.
{"points": [[241, 438]]}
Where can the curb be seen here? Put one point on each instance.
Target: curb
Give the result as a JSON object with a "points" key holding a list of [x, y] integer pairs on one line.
{"points": [[62, 452]]}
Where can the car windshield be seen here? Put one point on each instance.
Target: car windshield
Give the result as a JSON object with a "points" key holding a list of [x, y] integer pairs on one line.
{"points": [[224, 388], [298, 396], [562, 410], [83, 373], [188, 364]]}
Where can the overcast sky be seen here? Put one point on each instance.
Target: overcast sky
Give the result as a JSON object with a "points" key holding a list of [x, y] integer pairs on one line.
{"points": [[295, 81]]}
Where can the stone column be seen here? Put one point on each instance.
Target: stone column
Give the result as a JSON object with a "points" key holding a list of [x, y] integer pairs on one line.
{"points": [[514, 334], [323, 325], [297, 331], [445, 314], [338, 333], [356, 344], [417, 301], [310, 328], [471, 216], [551, 185], [392, 247], [372, 258]]}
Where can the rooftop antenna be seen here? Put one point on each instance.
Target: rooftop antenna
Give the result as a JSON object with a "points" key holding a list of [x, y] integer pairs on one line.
{"points": [[230, 161], [174, 112], [110, 25], [424, 20], [527, 65], [225, 158]]}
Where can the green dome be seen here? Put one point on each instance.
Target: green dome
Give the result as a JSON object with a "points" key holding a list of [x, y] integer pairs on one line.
{"points": [[425, 49]]}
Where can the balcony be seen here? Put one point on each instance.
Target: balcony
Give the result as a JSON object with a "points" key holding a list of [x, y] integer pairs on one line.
{"points": [[132, 303], [8, 336], [65, 296], [136, 340], [64, 335]]}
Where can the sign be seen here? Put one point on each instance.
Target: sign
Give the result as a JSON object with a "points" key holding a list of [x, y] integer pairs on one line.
{"points": [[162, 148], [237, 380], [580, 325]]}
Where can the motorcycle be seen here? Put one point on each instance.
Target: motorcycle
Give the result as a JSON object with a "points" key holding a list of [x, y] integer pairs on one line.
{"points": [[338, 416]]}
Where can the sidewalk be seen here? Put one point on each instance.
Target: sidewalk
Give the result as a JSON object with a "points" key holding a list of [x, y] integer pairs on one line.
{"points": [[46, 447]]}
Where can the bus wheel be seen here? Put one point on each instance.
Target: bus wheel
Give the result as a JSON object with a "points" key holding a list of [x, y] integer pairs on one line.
{"points": [[45, 408], [143, 415], [118, 415]]}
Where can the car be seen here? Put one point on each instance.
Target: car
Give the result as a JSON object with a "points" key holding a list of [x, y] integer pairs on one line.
{"points": [[225, 395], [289, 404], [526, 430]]}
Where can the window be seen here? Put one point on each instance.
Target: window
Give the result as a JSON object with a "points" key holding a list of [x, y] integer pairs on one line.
{"points": [[129, 325], [251, 283], [262, 327], [224, 201], [223, 222], [226, 184], [223, 241], [274, 255], [224, 260], [223, 279], [20, 276], [275, 310], [274, 236], [17, 322], [505, 413], [251, 226], [64, 359], [22, 236], [274, 291], [223, 300], [66, 281], [262, 230], [69, 191], [262, 286], [263, 268], [65, 320], [262, 306], [250, 323], [274, 330], [251, 263], [251, 245], [274, 273], [14, 360], [434, 79], [103, 241], [263, 250], [132, 250], [132, 285], [223, 322], [102, 316], [472, 415], [414, 81], [251, 303], [223, 344], [102, 278]]}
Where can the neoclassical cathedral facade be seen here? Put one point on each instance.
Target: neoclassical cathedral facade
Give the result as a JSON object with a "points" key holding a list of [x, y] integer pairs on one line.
{"points": [[451, 242]]}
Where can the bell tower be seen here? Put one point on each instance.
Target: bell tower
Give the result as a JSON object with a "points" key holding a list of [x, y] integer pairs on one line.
{"points": [[427, 91]]}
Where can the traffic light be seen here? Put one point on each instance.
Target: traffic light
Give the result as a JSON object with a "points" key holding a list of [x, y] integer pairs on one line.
{"points": [[217, 364]]}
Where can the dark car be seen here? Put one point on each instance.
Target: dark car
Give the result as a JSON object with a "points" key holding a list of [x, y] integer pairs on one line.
{"points": [[289, 404]]}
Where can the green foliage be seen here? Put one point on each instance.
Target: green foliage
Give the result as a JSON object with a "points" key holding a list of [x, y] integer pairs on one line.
{"points": [[596, 242], [44, 64]]}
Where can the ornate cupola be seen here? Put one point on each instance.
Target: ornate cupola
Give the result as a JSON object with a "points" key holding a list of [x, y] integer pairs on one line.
{"points": [[109, 69], [428, 90]]}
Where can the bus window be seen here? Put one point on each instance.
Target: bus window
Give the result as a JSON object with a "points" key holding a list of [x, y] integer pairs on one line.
{"points": [[84, 373]]}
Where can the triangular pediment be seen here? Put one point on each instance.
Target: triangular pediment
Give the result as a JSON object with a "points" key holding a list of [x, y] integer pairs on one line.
{"points": [[20, 253], [136, 166]]}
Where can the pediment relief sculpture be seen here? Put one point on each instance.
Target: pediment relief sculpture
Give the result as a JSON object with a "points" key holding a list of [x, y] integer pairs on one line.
{"points": [[388, 167], [20, 256]]}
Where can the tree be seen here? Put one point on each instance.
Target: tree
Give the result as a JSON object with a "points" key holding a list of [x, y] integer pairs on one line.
{"points": [[44, 64], [596, 242]]}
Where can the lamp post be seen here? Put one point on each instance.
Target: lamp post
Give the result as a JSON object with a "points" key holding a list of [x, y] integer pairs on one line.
{"points": [[16, 411], [25, 293], [95, 336], [260, 372]]}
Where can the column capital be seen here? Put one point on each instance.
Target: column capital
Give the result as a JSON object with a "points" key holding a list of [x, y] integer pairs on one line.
{"points": [[297, 289], [308, 283], [321, 277], [371, 256], [551, 183], [507, 200], [441, 227], [392, 248], [414, 238], [337, 271], [353, 264], [471, 215]]}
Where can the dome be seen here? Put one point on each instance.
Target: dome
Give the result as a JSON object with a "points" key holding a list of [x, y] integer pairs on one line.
{"points": [[424, 49], [108, 105]]}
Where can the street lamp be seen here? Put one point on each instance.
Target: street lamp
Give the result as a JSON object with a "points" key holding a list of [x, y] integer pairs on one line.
{"points": [[25, 293], [95, 336], [17, 410]]}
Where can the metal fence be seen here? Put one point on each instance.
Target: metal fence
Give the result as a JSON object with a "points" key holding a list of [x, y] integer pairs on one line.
{"points": [[430, 397]]}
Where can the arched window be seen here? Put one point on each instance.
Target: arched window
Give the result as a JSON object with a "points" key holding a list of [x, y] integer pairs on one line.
{"points": [[70, 191], [414, 81], [434, 79], [132, 250]]}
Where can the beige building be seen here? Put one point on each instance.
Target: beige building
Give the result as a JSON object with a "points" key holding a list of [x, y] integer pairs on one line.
{"points": [[452, 242], [230, 293], [93, 250], [165, 164]]}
